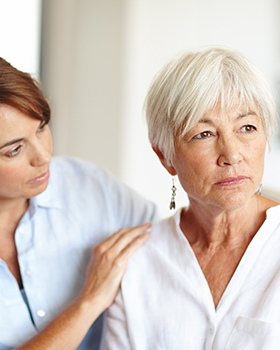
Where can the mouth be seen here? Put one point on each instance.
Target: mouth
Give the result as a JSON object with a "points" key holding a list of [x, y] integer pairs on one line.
{"points": [[232, 181], [41, 178]]}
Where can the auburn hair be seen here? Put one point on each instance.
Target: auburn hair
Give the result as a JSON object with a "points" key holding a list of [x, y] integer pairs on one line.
{"points": [[21, 91]]}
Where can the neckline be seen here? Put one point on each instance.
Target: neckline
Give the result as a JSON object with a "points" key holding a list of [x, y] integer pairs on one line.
{"points": [[243, 268]]}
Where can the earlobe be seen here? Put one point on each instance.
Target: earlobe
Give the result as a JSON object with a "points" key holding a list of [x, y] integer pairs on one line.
{"points": [[169, 167]]}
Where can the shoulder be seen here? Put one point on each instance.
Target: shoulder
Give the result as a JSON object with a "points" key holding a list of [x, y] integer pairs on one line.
{"points": [[166, 239], [78, 180], [266, 205], [268, 202], [73, 165], [74, 171], [165, 251], [273, 214]]}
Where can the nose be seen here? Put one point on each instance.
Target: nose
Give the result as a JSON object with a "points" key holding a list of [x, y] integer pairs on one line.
{"points": [[41, 155], [229, 152]]}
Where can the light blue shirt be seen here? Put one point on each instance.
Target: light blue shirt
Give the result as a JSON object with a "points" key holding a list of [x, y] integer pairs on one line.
{"points": [[81, 207]]}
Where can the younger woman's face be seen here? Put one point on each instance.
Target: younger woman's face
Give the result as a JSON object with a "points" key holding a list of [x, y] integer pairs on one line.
{"points": [[25, 154]]}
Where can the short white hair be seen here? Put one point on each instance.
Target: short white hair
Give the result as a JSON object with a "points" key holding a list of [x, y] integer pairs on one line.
{"points": [[193, 83]]}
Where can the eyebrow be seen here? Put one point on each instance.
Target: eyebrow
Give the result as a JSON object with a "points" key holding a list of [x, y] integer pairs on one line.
{"points": [[240, 116], [11, 143]]}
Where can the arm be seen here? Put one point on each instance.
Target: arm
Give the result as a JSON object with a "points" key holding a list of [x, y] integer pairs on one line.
{"points": [[106, 268]]}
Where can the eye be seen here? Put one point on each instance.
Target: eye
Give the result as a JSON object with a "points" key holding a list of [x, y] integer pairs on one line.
{"points": [[14, 152], [203, 135], [248, 129], [41, 126]]}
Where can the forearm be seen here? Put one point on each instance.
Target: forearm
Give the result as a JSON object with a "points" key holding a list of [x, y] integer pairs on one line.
{"points": [[105, 271], [67, 330]]}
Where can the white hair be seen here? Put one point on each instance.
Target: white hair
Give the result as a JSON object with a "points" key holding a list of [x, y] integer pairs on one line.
{"points": [[193, 83]]}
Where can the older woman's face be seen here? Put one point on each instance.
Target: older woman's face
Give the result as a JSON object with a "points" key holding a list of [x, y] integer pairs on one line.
{"points": [[25, 154], [220, 161]]}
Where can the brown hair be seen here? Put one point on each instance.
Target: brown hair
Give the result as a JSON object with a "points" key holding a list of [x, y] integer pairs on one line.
{"points": [[21, 91]]}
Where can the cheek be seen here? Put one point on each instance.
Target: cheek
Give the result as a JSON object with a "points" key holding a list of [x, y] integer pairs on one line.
{"points": [[196, 161], [48, 140], [256, 155], [10, 176], [194, 171]]}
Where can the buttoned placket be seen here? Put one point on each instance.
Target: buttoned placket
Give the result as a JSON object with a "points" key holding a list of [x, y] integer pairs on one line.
{"points": [[238, 279], [202, 293], [14, 312], [27, 259]]}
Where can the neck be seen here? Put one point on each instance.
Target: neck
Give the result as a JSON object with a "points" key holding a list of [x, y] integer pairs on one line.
{"points": [[11, 212], [208, 227]]}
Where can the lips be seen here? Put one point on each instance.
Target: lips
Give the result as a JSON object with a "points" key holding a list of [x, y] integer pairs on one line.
{"points": [[41, 178], [232, 181]]}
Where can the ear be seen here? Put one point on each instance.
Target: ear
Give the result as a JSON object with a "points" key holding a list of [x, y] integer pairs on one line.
{"points": [[164, 162]]}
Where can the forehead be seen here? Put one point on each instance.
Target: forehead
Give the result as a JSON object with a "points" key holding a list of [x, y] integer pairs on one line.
{"points": [[9, 116], [9, 113], [233, 113], [14, 122]]}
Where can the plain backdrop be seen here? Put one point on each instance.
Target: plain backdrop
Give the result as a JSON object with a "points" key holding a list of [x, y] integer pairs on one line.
{"points": [[96, 59]]}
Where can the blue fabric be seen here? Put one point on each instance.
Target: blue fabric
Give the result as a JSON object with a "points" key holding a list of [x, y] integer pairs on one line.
{"points": [[24, 297], [81, 207]]}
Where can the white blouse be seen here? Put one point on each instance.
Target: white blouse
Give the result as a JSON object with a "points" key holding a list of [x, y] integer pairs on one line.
{"points": [[165, 301]]}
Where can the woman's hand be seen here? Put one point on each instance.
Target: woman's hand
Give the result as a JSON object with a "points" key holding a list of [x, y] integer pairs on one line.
{"points": [[105, 271], [108, 263]]}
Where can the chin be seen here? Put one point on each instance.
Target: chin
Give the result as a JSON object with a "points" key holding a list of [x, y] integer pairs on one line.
{"points": [[232, 201], [40, 188]]}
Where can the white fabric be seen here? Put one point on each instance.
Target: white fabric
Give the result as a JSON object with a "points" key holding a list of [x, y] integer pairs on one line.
{"points": [[165, 301]]}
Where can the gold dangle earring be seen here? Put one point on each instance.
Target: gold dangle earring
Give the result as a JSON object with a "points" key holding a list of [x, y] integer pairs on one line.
{"points": [[172, 204]]}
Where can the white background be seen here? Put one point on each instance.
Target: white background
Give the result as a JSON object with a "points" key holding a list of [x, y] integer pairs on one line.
{"points": [[20, 33], [99, 56]]}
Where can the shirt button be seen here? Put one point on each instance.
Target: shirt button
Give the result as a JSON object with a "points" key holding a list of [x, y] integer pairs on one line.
{"points": [[29, 272], [211, 330], [22, 229], [41, 313]]}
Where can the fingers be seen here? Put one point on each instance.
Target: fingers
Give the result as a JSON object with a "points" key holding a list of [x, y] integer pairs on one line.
{"points": [[109, 261], [119, 240], [119, 254], [128, 236], [116, 252], [132, 247]]}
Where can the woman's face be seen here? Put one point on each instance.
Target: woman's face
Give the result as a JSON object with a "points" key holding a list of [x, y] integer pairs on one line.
{"points": [[220, 161], [25, 154]]}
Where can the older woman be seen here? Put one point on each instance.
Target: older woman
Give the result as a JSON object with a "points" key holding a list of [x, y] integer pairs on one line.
{"points": [[209, 277], [52, 213]]}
